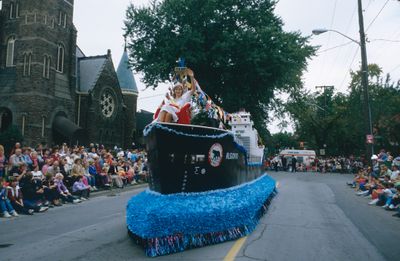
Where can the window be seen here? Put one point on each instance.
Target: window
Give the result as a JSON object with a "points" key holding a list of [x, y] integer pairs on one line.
{"points": [[10, 52], [107, 104], [60, 58], [27, 64], [65, 21], [60, 14], [43, 125], [46, 67], [11, 10], [14, 10]]}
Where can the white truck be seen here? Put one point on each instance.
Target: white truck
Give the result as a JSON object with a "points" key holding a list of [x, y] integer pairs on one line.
{"points": [[305, 157]]}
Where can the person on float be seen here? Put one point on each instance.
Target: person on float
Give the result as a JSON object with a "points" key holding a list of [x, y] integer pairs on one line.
{"points": [[176, 109]]}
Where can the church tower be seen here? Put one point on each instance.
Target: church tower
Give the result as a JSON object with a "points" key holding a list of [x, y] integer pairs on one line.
{"points": [[38, 69], [130, 95]]}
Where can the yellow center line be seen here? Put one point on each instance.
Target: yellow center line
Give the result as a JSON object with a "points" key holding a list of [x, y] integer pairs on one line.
{"points": [[235, 249]]}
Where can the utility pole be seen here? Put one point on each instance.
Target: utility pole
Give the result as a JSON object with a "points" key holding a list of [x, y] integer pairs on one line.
{"points": [[364, 83], [324, 87]]}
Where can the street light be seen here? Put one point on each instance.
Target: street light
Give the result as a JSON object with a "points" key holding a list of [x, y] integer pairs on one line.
{"points": [[364, 76], [321, 31]]}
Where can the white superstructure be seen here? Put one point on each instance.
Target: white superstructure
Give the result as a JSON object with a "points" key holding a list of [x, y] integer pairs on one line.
{"points": [[242, 127]]}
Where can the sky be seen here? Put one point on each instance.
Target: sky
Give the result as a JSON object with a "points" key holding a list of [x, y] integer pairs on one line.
{"points": [[100, 22]]}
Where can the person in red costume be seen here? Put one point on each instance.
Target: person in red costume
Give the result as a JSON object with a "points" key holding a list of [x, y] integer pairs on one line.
{"points": [[177, 108]]}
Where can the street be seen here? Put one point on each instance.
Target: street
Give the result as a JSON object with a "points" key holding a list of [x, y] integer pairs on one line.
{"points": [[314, 217]]}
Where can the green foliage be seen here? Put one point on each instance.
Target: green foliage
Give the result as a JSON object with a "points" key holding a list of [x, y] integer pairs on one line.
{"points": [[237, 48], [280, 141], [9, 137], [338, 121]]}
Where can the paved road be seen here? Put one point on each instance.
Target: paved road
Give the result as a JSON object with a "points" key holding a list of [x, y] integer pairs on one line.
{"points": [[314, 217]]}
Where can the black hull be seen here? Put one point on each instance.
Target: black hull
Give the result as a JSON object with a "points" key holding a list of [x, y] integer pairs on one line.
{"points": [[187, 158]]}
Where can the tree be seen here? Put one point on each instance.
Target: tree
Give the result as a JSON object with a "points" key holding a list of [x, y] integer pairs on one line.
{"points": [[280, 141], [384, 101], [317, 118], [237, 48], [337, 120]]}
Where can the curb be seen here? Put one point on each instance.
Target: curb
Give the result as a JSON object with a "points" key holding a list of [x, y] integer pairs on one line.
{"points": [[112, 191]]}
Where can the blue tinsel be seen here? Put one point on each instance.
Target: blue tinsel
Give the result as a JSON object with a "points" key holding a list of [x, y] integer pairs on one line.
{"points": [[165, 224], [149, 127]]}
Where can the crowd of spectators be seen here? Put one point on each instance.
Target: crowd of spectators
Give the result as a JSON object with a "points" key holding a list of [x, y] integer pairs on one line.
{"points": [[318, 164], [381, 182], [36, 179]]}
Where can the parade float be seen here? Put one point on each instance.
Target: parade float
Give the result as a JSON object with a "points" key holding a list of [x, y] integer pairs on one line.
{"points": [[206, 184]]}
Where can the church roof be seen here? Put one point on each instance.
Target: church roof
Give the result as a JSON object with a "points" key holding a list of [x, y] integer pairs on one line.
{"points": [[125, 75], [90, 69]]}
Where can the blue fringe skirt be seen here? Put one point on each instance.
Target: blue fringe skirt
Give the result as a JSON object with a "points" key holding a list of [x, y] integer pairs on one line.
{"points": [[165, 224]]}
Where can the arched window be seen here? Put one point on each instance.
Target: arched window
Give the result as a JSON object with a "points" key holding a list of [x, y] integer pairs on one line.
{"points": [[16, 15], [27, 64], [10, 52], [12, 10], [65, 21], [60, 58], [46, 67]]}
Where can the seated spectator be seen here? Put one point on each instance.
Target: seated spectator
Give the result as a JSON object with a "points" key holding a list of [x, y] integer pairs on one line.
{"points": [[77, 169], [47, 163], [115, 178], [65, 195], [27, 157], [386, 197], [80, 189], [36, 161], [105, 177], [3, 162], [36, 173], [121, 172], [385, 171], [138, 169], [51, 190], [33, 192], [129, 171], [63, 166], [16, 160], [91, 180], [395, 201], [54, 168], [102, 177], [375, 192], [395, 173], [6, 209], [16, 198]]}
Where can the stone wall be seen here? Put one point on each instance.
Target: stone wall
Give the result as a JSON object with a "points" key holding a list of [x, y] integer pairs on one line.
{"points": [[38, 31]]}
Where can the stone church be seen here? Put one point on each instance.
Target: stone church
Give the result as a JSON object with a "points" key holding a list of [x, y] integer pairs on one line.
{"points": [[50, 90]]}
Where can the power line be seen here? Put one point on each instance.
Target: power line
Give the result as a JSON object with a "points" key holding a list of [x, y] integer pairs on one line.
{"points": [[386, 40], [380, 11], [394, 69], [351, 65], [349, 24], [335, 47], [322, 69]]}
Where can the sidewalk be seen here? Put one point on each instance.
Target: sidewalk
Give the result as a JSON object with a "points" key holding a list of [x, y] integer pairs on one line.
{"points": [[112, 191]]}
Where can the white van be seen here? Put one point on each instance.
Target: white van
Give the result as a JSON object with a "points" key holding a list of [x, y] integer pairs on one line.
{"points": [[305, 157]]}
